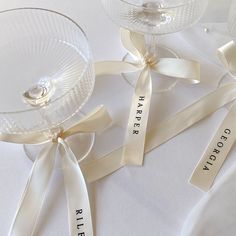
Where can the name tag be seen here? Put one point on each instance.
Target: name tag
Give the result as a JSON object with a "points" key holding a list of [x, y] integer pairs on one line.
{"points": [[216, 153], [133, 151]]}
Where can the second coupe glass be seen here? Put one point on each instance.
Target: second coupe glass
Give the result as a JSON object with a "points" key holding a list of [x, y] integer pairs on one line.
{"points": [[229, 77], [154, 18]]}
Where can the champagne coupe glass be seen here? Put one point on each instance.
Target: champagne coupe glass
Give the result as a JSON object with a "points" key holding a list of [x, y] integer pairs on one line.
{"points": [[229, 77], [154, 18], [212, 30], [46, 74]]}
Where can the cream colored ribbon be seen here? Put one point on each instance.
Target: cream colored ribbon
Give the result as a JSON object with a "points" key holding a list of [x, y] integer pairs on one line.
{"points": [[216, 153], [79, 212], [169, 128], [101, 167], [185, 70], [227, 55]]}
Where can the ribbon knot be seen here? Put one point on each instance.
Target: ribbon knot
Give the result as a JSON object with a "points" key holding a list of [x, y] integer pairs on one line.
{"points": [[170, 127], [180, 69], [75, 185], [55, 134], [150, 60]]}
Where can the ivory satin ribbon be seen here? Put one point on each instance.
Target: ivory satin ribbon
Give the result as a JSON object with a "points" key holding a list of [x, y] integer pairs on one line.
{"points": [[169, 128], [33, 197], [216, 153], [185, 70], [80, 220]]}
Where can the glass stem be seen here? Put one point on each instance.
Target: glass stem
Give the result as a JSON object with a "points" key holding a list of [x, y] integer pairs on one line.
{"points": [[151, 42]]}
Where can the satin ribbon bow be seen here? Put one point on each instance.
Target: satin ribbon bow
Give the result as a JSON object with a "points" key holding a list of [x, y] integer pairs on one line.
{"points": [[216, 153], [80, 220], [185, 70], [170, 127]]}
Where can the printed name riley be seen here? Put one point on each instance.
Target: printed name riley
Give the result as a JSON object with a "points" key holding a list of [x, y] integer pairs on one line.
{"points": [[219, 146], [80, 222]]}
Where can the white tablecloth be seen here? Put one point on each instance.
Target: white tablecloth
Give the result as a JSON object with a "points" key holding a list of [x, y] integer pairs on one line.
{"points": [[154, 200]]}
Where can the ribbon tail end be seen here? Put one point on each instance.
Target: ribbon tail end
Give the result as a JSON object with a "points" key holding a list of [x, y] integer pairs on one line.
{"points": [[202, 187]]}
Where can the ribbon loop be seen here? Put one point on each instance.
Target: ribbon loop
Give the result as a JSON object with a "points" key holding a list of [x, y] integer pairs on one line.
{"points": [[134, 43], [115, 67], [96, 121], [80, 219], [227, 56], [187, 71]]}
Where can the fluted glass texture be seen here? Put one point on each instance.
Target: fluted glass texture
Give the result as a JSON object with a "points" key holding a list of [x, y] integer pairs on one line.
{"points": [[155, 16], [232, 20], [38, 46]]}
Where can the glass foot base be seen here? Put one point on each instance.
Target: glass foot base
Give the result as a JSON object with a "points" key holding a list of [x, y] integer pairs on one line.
{"points": [[80, 144], [214, 35], [160, 83]]}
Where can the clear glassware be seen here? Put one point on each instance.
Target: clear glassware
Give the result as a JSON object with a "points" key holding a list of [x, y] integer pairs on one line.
{"points": [[229, 77], [46, 72], [154, 18], [212, 30], [232, 20]]}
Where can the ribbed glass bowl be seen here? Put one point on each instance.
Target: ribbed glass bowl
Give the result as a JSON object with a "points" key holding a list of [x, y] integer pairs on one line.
{"points": [[230, 77], [232, 20], [155, 16], [45, 49]]}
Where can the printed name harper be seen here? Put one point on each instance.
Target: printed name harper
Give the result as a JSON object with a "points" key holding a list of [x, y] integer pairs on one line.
{"points": [[220, 144], [138, 115]]}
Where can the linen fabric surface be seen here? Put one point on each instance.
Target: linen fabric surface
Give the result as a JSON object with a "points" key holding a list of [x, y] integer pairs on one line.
{"points": [[154, 200]]}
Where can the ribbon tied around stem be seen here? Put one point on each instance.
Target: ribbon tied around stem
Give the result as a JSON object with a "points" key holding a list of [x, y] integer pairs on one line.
{"points": [[171, 126], [79, 212], [33, 197], [176, 68]]}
